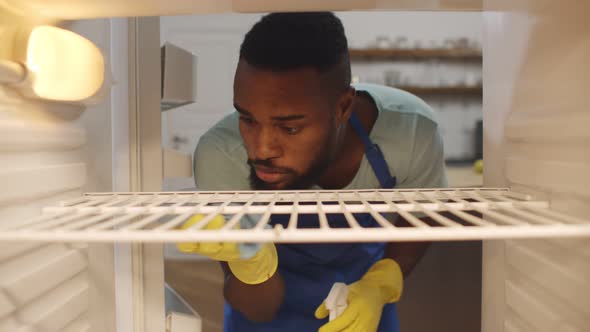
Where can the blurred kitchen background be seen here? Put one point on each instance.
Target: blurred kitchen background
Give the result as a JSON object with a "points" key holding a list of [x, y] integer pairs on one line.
{"points": [[436, 56]]}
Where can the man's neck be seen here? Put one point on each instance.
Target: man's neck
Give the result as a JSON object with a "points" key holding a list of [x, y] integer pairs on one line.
{"points": [[348, 159]]}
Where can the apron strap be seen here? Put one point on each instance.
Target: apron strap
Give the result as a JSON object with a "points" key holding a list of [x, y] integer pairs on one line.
{"points": [[374, 155]]}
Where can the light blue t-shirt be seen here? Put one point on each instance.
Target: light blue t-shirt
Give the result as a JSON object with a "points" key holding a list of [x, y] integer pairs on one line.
{"points": [[405, 130]]}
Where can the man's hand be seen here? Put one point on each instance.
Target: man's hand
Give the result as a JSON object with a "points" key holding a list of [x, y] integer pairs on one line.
{"points": [[381, 285], [252, 270], [219, 251]]}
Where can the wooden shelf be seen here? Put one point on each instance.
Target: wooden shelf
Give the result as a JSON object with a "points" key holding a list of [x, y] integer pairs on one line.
{"points": [[443, 90], [416, 54]]}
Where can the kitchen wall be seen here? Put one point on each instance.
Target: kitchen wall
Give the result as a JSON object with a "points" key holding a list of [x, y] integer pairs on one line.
{"points": [[215, 39], [458, 113]]}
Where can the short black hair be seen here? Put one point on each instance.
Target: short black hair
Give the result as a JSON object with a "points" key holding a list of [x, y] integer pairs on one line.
{"points": [[289, 41]]}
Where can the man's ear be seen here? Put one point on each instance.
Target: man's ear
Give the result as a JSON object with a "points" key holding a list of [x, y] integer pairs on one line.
{"points": [[345, 105]]}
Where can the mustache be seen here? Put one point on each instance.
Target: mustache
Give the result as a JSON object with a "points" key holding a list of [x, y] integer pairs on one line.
{"points": [[268, 164]]}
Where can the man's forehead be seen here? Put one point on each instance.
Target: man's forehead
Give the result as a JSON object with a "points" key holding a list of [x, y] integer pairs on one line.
{"points": [[280, 89], [299, 77]]}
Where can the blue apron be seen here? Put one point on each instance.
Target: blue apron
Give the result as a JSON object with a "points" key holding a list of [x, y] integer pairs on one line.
{"points": [[310, 270]]}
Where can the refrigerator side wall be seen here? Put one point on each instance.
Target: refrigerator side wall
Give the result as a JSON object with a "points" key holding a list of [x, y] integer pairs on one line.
{"points": [[536, 113], [50, 152]]}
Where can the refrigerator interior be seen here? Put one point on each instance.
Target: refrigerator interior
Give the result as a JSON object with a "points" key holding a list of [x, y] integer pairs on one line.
{"points": [[71, 266]]}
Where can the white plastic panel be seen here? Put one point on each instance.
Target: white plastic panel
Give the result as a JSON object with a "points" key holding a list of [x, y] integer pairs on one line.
{"points": [[36, 133], [468, 214], [6, 305], [79, 325], [536, 112], [79, 9], [258, 6], [37, 272], [566, 273], [54, 310], [178, 322], [12, 325], [8, 250], [38, 181], [551, 281], [50, 152]]}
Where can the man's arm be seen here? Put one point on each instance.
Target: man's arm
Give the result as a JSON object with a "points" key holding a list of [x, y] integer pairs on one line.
{"points": [[428, 171], [407, 254], [259, 303], [215, 170]]}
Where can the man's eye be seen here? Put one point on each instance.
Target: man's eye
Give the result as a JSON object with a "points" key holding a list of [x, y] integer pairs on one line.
{"points": [[291, 130], [247, 120]]}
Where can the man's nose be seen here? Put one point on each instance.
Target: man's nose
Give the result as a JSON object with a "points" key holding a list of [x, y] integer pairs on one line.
{"points": [[267, 145]]}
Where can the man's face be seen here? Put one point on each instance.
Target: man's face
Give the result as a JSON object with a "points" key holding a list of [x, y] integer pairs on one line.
{"points": [[288, 123]]}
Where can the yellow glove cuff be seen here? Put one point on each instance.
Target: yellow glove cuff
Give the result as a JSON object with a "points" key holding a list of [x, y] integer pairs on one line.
{"points": [[387, 275], [257, 269]]}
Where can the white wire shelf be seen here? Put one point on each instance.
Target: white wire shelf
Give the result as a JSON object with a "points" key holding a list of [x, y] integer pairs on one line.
{"points": [[455, 214]]}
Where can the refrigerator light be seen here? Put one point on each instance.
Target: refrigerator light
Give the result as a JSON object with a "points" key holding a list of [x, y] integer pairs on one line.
{"points": [[63, 65]]}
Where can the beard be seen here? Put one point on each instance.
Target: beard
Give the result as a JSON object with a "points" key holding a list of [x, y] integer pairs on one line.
{"points": [[300, 181]]}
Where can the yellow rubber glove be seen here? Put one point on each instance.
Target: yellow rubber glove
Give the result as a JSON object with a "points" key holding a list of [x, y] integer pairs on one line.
{"points": [[254, 270], [381, 285]]}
